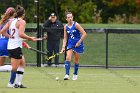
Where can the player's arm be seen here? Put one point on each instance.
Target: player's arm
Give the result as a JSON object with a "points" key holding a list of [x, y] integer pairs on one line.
{"points": [[5, 29], [64, 39], [21, 26], [83, 32]]}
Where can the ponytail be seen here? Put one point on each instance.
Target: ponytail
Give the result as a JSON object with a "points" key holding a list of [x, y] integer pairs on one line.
{"points": [[19, 11], [9, 12]]}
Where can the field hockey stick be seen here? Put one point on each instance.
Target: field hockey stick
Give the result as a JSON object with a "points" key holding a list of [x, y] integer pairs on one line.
{"points": [[42, 38], [44, 53], [39, 39], [57, 54]]}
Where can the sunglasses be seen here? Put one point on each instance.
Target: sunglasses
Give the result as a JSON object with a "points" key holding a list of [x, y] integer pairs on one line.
{"points": [[52, 16]]}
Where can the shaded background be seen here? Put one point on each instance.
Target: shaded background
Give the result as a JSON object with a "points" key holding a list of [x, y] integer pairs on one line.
{"points": [[85, 11]]}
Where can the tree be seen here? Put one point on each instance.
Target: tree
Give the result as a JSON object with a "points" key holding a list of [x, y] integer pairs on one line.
{"points": [[120, 7], [83, 10]]}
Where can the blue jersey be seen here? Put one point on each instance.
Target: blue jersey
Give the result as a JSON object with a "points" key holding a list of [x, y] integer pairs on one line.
{"points": [[74, 36], [3, 43]]}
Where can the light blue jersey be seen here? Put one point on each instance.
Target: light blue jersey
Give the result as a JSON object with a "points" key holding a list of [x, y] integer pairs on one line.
{"points": [[3, 44], [74, 36]]}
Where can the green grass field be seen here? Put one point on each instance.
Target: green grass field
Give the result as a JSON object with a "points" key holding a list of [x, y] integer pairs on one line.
{"points": [[90, 25], [90, 80], [123, 50]]}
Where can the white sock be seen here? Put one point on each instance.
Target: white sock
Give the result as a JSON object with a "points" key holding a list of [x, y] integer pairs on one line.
{"points": [[5, 68], [19, 75]]}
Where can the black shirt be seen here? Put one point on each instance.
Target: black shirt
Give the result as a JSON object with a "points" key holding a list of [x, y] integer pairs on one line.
{"points": [[54, 30]]}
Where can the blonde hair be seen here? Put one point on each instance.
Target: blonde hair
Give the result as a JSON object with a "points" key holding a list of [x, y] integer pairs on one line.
{"points": [[8, 13]]}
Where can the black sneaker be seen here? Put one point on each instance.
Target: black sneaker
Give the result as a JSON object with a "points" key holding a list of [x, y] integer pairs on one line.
{"points": [[44, 62], [19, 86], [22, 86], [16, 86], [49, 63]]}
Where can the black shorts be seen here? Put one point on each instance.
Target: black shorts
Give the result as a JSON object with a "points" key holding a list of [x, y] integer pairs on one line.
{"points": [[15, 53]]}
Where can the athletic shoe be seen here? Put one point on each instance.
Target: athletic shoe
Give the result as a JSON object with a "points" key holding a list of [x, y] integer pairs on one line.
{"points": [[49, 63], [66, 77], [10, 85], [16, 86], [22, 86], [74, 77], [19, 86]]}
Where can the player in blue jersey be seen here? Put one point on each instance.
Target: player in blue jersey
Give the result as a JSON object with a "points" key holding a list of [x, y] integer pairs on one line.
{"points": [[6, 17], [74, 35], [15, 44]]}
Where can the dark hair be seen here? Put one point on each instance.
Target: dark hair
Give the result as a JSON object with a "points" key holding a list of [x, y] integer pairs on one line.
{"points": [[19, 11], [8, 13], [68, 12]]}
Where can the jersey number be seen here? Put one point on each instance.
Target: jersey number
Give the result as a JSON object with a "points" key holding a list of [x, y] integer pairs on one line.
{"points": [[13, 32], [72, 36]]}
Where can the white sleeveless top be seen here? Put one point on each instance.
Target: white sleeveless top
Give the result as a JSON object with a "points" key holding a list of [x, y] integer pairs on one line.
{"points": [[16, 41]]}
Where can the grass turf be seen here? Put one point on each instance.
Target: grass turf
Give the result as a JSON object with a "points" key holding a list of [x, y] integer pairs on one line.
{"points": [[90, 25], [42, 80], [123, 50]]}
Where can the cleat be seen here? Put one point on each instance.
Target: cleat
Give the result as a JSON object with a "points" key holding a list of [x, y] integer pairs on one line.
{"points": [[16, 86], [10, 85], [19, 86], [74, 77], [22, 86], [66, 77], [49, 63]]}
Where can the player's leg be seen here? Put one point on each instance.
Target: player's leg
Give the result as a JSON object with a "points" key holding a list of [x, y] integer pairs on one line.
{"points": [[15, 64], [76, 65], [12, 79], [3, 55], [4, 67], [19, 74], [2, 60], [67, 64]]}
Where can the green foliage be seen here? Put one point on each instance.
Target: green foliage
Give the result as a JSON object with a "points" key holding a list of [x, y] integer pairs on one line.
{"points": [[87, 12], [84, 10], [70, 5], [120, 7], [30, 11]]}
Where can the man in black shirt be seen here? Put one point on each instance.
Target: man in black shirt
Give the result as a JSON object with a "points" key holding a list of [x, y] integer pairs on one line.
{"points": [[54, 30]]}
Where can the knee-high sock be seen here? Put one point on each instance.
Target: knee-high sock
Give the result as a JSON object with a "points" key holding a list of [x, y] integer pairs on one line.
{"points": [[67, 67], [76, 66], [5, 68], [19, 75], [13, 76]]}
